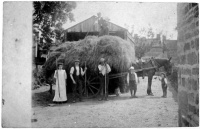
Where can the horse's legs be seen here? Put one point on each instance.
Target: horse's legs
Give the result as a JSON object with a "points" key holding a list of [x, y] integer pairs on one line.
{"points": [[149, 92]]}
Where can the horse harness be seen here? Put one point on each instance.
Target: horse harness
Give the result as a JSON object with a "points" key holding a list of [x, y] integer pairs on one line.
{"points": [[155, 64]]}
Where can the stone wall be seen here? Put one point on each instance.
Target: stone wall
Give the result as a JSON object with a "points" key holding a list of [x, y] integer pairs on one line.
{"points": [[188, 63]]}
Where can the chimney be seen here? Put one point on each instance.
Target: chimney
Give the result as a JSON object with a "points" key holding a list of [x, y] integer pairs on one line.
{"points": [[164, 38], [158, 36]]}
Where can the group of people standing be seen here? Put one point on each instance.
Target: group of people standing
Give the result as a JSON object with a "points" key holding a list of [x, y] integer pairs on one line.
{"points": [[75, 74], [104, 69]]}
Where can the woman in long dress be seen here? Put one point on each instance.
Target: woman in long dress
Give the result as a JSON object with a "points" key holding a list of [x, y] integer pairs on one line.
{"points": [[60, 90]]}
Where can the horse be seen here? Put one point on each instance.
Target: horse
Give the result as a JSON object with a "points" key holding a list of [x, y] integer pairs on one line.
{"points": [[154, 65]]}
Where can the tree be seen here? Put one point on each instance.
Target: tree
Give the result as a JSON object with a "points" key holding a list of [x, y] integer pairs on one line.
{"points": [[141, 47], [142, 31], [48, 18], [59, 32], [150, 33], [141, 44]]}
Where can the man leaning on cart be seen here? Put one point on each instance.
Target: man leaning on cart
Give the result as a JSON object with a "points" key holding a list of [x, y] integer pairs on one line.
{"points": [[104, 69]]}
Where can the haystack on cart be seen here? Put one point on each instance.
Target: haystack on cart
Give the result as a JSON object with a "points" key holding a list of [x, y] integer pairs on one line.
{"points": [[115, 50], [79, 32]]}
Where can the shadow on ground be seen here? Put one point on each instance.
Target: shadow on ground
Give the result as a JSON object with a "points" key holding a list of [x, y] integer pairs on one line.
{"points": [[174, 93], [43, 99]]}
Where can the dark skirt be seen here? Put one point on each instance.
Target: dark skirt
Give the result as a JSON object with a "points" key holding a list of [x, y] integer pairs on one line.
{"points": [[132, 85]]}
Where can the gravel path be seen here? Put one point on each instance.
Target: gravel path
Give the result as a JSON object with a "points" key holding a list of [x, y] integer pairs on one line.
{"points": [[122, 111]]}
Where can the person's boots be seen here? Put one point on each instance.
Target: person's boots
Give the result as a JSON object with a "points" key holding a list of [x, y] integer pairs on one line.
{"points": [[165, 94]]}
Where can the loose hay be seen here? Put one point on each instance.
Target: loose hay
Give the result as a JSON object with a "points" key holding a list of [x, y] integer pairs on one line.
{"points": [[119, 54]]}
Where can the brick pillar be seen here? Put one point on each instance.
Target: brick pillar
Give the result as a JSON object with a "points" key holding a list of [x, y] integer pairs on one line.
{"points": [[188, 63]]}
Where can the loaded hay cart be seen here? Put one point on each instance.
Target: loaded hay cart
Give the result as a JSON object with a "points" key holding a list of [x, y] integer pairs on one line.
{"points": [[117, 52]]}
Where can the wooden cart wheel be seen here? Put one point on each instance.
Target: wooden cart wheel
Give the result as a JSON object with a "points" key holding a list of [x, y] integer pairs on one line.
{"points": [[92, 87]]}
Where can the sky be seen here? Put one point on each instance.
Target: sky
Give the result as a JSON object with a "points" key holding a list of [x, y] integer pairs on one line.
{"points": [[162, 17]]}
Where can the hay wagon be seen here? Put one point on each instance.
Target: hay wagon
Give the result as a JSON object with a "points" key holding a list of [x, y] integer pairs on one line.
{"points": [[88, 27], [91, 80]]}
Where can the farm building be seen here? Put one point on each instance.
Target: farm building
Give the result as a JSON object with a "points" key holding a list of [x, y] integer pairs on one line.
{"points": [[90, 27], [156, 48]]}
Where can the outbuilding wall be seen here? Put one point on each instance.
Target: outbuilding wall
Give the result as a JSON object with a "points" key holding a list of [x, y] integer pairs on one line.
{"points": [[188, 63]]}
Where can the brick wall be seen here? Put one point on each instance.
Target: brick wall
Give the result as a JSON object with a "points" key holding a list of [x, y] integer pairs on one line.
{"points": [[188, 63]]}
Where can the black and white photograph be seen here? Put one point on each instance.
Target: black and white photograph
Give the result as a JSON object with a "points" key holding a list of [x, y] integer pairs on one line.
{"points": [[100, 64]]}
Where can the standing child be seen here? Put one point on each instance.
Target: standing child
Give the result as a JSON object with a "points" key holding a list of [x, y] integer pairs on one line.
{"points": [[60, 89], [132, 81], [163, 80]]}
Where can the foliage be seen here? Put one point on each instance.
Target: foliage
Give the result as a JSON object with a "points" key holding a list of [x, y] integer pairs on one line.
{"points": [[37, 77], [48, 18], [141, 46], [147, 32], [150, 33]]}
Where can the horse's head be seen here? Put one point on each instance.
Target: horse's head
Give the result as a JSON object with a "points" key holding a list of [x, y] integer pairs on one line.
{"points": [[166, 63], [168, 66]]}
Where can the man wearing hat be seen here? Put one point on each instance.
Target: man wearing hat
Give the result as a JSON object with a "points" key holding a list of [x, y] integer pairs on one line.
{"points": [[75, 73], [104, 69], [103, 25], [132, 80]]}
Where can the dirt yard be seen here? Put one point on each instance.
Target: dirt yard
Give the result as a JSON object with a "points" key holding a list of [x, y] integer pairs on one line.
{"points": [[122, 111]]}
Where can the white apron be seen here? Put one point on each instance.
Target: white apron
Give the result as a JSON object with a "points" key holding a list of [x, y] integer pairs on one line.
{"points": [[60, 90]]}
